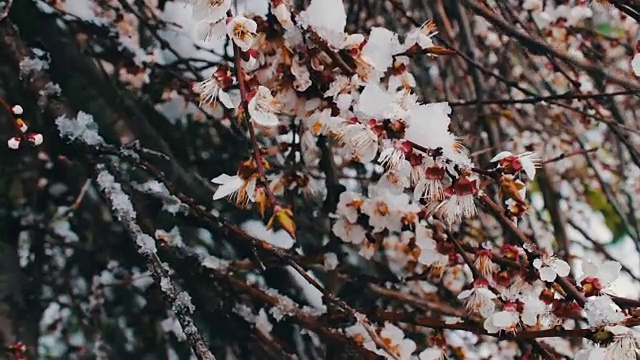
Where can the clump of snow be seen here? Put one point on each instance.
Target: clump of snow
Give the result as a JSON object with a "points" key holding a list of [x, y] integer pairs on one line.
{"points": [[601, 310], [278, 238], [215, 263], [171, 324], [146, 244], [313, 295], [380, 48], [171, 238], [121, 204], [165, 285], [375, 103], [50, 89], [261, 320], [183, 302], [170, 203], [328, 18], [30, 65], [82, 128]]}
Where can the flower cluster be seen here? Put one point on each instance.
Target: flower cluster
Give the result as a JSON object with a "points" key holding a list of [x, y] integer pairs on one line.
{"points": [[471, 188]]}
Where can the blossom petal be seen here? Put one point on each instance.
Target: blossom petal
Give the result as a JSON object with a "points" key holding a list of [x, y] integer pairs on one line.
{"points": [[609, 271], [560, 267], [464, 294], [228, 185], [490, 327], [528, 166], [225, 99], [504, 319], [547, 274], [589, 269], [537, 263], [501, 155]]}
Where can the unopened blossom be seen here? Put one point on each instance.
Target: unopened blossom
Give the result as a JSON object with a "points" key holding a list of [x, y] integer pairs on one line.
{"points": [[242, 31], [596, 276], [479, 299], [35, 139], [512, 164], [263, 107], [210, 10], [551, 267]]}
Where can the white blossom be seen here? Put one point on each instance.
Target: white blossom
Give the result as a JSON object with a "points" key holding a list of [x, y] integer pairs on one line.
{"points": [[242, 31], [263, 107], [210, 10], [550, 267], [607, 272]]}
